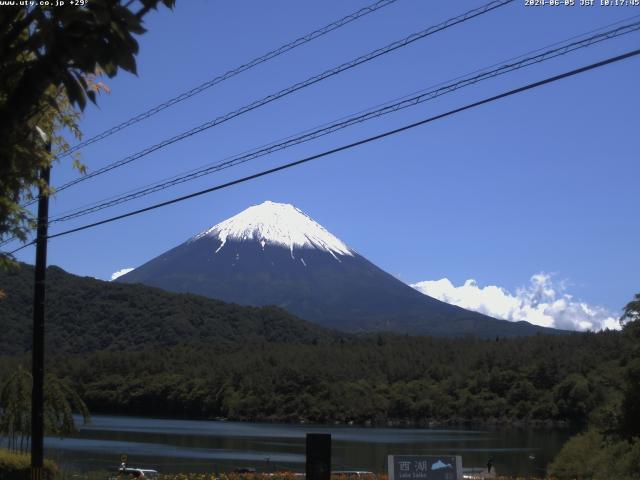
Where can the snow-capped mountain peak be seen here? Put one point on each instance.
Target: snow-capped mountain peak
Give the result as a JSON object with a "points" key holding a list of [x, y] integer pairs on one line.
{"points": [[274, 254], [279, 224]]}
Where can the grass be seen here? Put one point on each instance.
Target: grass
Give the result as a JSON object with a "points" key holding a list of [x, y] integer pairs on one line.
{"points": [[17, 466]]}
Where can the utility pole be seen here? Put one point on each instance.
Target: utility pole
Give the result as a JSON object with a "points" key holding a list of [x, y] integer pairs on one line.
{"points": [[318, 463], [37, 397]]}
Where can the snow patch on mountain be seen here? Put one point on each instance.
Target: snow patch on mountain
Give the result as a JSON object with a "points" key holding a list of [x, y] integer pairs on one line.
{"points": [[278, 224]]}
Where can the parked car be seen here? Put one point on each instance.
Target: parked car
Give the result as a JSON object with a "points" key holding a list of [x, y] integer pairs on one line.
{"points": [[124, 473], [354, 474]]}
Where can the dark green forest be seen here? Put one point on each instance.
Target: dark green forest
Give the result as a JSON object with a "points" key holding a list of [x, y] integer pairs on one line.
{"points": [[382, 380], [138, 350], [131, 349], [87, 315]]}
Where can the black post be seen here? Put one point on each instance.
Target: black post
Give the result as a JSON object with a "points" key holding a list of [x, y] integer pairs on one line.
{"points": [[318, 466], [37, 398]]}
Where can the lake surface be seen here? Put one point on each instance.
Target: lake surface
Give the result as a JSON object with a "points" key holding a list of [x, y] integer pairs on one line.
{"points": [[206, 446]]}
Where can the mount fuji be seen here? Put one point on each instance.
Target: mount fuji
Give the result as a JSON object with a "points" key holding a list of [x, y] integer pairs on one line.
{"points": [[275, 254]]}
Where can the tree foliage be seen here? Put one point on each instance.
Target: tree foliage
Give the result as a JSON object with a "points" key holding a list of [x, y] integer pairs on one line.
{"points": [[406, 381], [60, 402], [630, 407], [85, 315], [16, 465], [611, 446], [140, 350], [596, 456], [631, 311], [48, 58]]}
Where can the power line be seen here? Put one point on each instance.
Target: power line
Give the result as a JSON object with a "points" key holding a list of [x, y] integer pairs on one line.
{"points": [[513, 63], [219, 79], [232, 73], [293, 88], [326, 129], [405, 102], [380, 136]]}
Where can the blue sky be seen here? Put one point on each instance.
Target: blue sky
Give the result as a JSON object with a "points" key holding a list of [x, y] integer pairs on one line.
{"points": [[542, 182]]}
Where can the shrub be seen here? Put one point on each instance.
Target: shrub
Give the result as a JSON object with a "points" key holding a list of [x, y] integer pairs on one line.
{"points": [[17, 466], [592, 455]]}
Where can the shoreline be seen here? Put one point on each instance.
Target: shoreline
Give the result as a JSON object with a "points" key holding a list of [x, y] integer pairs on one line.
{"points": [[389, 423]]}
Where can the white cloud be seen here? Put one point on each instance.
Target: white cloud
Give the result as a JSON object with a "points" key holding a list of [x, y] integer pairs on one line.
{"points": [[543, 302], [119, 273]]}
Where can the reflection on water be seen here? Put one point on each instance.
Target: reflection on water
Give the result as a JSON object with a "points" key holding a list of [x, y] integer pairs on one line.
{"points": [[189, 445]]}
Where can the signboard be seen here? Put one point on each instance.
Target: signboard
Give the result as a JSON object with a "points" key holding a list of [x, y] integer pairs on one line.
{"points": [[318, 465], [425, 467]]}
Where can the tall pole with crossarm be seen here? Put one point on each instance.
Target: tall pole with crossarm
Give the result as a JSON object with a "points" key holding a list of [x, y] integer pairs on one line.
{"points": [[37, 397]]}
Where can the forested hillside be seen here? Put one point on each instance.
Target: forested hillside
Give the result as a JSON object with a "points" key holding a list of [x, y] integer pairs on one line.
{"points": [[87, 315], [138, 350], [381, 380]]}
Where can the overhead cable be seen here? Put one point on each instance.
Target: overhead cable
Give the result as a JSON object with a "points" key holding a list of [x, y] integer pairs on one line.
{"points": [[352, 120], [291, 89], [514, 63], [231, 73], [364, 141]]}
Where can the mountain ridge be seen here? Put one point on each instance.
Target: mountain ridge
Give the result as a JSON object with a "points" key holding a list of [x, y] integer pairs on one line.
{"points": [[84, 314], [276, 254]]}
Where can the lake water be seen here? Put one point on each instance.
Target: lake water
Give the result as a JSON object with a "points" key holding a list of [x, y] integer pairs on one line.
{"points": [[207, 446]]}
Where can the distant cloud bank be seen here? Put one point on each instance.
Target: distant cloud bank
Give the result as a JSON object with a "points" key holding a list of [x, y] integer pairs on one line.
{"points": [[119, 273], [543, 302]]}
